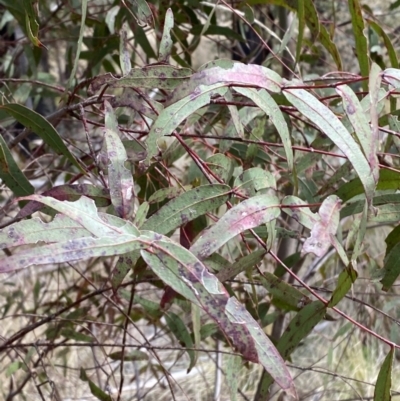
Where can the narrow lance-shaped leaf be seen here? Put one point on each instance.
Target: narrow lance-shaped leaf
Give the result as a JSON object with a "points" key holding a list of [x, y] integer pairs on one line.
{"points": [[79, 44], [295, 208], [40, 126], [324, 118], [32, 231], [180, 269], [283, 291], [180, 331], [362, 130], [346, 279], [298, 329], [11, 174], [120, 178], [375, 79], [384, 381], [248, 214], [124, 54], [186, 207], [362, 51], [166, 40], [268, 355], [152, 76], [70, 251], [266, 103], [84, 212], [172, 116], [320, 238], [239, 74], [254, 181]]}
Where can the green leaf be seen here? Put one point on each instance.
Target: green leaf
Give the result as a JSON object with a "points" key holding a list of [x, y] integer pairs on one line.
{"points": [[384, 380], [241, 265], [69, 251], [11, 174], [84, 212], [34, 230], [248, 214], [78, 45], [40, 126], [362, 130], [391, 267], [74, 335], [221, 166], [119, 178], [166, 40], [346, 279], [386, 40], [234, 364], [31, 24], [324, 118], [362, 51], [294, 207], [266, 103], [173, 115], [284, 292], [94, 389], [388, 180], [186, 207], [254, 180], [134, 355], [180, 331], [124, 54]]}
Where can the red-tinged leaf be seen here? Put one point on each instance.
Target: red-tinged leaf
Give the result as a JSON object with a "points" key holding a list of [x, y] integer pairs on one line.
{"points": [[180, 269], [346, 279], [248, 214], [320, 238], [101, 197], [70, 251], [392, 77], [268, 355], [324, 118], [240, 74], [120, 179], [384, 381], [298, 329]]}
